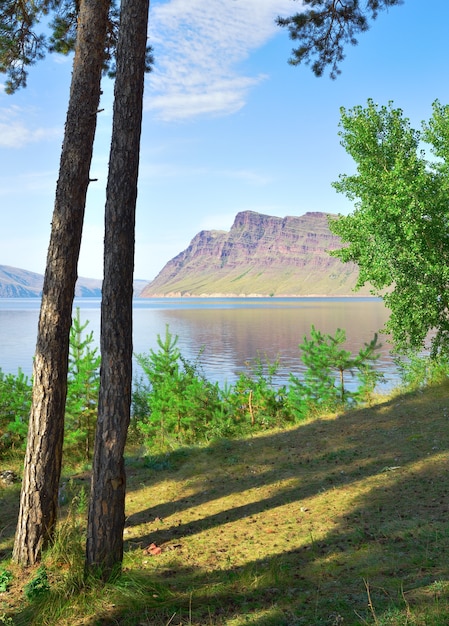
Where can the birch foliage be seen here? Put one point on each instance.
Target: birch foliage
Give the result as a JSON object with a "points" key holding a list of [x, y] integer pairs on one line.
{"points": [[398, 233]]}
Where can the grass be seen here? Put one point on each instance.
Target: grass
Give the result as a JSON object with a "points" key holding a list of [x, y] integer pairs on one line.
{"points": [[339, 521], [273, 281]]}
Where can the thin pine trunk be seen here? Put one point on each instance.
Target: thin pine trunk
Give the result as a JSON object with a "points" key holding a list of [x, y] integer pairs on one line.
{"points": [[42, 467], [104, 550]]}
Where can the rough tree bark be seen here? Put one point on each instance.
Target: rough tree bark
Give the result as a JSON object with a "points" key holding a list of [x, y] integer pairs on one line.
{"points": [[42, 468], [106, 519]]}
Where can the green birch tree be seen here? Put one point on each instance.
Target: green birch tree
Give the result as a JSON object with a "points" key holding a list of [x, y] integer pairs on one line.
{"points": [[398, 233]]}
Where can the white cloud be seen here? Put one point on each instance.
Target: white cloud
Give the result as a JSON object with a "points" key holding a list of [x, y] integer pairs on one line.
{"points": [[14, 133], [219, 97], [198, 48], [42, 182]]}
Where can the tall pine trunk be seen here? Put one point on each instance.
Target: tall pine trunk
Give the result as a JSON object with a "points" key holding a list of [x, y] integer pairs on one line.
{"points": [[42, 468], [104, 551]]}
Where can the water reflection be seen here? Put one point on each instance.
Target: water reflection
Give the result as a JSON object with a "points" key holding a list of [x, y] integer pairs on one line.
{"points": [[232, 332], [232, 337]]}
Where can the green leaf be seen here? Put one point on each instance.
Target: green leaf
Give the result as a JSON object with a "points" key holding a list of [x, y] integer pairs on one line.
{"points": [[398, 233]]}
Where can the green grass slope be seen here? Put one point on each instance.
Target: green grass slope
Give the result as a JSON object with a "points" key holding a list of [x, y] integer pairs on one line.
{"points": [[251, 279], [338, 521]]}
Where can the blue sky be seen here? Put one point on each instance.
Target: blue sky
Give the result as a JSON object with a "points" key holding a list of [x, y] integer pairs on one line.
{"points": [[228, 125]]}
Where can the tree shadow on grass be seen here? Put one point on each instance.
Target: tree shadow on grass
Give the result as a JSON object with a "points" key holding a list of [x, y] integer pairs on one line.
{"points": [[9, 510], [386, 542], [330, 511], [380, 550], [388, 548], [290, 466]]}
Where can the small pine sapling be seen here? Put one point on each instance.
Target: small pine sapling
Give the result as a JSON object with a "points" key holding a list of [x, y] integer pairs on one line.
{"points": [[82, 388], [327, 364], [181, 403]]}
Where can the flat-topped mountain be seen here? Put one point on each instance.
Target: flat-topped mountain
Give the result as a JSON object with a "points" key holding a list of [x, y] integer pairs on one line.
{"points": [[18, 283], [261, 255]]}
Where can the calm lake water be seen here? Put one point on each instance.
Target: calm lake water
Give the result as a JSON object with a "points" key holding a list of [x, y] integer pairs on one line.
{"points": [[232, 331]]}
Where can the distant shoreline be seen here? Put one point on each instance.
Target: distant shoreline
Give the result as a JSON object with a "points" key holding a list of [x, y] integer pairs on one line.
{"points": [[220, 296], [255, 295]]}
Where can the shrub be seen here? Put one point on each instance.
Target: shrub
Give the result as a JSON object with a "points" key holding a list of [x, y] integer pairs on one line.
{"points": [[15, 404], [417, 371], [38, 586], [173, 403], [6, 578], [82, 396]]}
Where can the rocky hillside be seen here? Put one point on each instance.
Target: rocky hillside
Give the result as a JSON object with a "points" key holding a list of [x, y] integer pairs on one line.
{"points": [[261, 256], [18, 283]]}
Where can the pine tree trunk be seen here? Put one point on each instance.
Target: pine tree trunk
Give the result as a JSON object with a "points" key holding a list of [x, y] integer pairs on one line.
{"points": [[106, 519], [42, 468]]}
